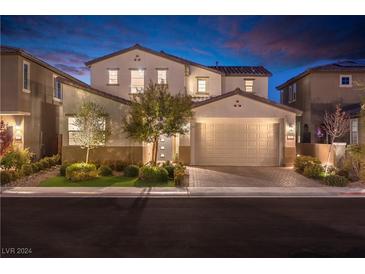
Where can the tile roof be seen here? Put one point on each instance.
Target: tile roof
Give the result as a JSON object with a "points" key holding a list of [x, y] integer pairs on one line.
{"points": [[344, 66], [243, 70], [248, 95]]}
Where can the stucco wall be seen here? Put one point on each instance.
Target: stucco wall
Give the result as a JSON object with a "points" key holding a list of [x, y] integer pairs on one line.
{"points": [[260, 86], [214, 83], [148, 62]]}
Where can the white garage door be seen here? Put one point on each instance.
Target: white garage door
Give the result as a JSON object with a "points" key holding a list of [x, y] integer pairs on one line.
{"points": [[238, 144]]}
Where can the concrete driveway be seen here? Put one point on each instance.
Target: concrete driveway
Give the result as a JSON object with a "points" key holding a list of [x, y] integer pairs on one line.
{"points": [[248, 177]]}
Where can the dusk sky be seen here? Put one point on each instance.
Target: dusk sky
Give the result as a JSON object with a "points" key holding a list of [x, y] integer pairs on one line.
{"points": [[286, 45]]}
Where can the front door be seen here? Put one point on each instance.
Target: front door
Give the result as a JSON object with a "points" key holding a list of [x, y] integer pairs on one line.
{"points": [[164, 152]]}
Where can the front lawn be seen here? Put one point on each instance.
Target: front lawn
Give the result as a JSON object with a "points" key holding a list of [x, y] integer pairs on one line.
{"points": [[113, 181]]}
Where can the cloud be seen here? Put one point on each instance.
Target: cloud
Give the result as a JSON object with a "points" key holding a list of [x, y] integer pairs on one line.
{"points": [[73, 70]]}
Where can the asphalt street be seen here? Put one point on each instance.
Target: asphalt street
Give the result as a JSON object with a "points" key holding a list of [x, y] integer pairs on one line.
{"points": [[183, 227]]}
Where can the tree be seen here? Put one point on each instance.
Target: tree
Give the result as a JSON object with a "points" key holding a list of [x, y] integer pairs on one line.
{"points": [[156, 112], [336, 124], [6, 137], [91, 123]]}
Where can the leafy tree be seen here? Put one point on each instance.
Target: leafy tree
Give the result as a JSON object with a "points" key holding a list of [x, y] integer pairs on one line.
{"points": [[93, 130], [336, 124], [6, 137], [156, 112]]}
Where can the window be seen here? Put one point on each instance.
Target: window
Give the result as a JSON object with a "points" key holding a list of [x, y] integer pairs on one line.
{"points": [[292, 93], [57, 93], [345, 81], [354, 131], [26, 77], [113, 76], [202, 85], [137, 81], [162, 76], [249, 85], [74, 129]]}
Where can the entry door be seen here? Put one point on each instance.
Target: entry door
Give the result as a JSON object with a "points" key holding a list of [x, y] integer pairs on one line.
{"points": [[164, 152], [237, 144]]}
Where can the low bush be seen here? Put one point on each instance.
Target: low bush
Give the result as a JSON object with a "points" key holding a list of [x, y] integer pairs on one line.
{"points": [[303, 161], [170, 168], [343, 172], [153, 174], [104, 170], [63, 168], [131, 171], [26, 169], [44, 163], [314, 171], [81, 172], [109, 163], [120, 165], [15, 158], [7, 176], [35, 167], [335, 180], [179, 173]]}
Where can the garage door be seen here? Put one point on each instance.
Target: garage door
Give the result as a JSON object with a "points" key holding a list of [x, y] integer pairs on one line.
{"points": [[238, 144]]}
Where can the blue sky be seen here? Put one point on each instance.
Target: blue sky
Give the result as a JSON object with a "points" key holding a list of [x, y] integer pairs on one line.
{"points": [[286, 45]]}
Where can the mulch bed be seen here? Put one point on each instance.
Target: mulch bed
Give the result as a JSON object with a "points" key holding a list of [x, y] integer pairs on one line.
{"points": [[35, 179]]}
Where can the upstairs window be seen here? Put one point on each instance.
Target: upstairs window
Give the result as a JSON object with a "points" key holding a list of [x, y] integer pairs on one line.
{"points": [[202, 85], [26, 77], [137, 81], [162, 76], [292, 93], [113, 76], [57, 94], [354, 131], [345, 81], [249, 85]]}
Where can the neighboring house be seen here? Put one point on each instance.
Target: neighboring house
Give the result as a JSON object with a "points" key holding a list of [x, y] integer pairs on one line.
{"points": [[234, 122], [320, 89], [31, 101]]}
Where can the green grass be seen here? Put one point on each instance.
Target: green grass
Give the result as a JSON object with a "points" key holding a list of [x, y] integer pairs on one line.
{"points": [[113, 181]]}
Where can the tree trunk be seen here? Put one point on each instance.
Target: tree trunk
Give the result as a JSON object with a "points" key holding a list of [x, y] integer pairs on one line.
{"points": [[87, 155], [155, 150], [329, 156]]}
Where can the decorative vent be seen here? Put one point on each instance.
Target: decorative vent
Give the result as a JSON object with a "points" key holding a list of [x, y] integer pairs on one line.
{"points": [[237, 104], [137, 58]]}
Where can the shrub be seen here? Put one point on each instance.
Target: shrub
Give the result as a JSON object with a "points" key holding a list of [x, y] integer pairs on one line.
{"points": [[170, 168], [35, 167], [81, 172], [26, 169], [109, 163], [16, 158], [302, 161], [43, 164], [120, 165], [335, 180], [131, 171], [105, 171], [313, 171], [355, 160], [7, 176], [153, 174], [343, 172], [63, 168], [179, 174]]}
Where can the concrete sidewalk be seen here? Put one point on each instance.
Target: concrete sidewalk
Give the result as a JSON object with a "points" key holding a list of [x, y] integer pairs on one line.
{"points": [[189, 192]]}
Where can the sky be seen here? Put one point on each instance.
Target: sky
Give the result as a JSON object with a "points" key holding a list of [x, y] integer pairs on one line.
{"points": [[285, 45]]}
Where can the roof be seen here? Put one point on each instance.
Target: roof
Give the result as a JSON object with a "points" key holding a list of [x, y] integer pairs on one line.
{"points": [[158, 53], [12, 50], [344, 66], [88, 88], [247, 95], [243, 70], [353, 110]]}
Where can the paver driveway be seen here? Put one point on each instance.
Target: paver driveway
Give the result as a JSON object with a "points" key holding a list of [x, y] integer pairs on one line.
{"points": [[248, 177]]}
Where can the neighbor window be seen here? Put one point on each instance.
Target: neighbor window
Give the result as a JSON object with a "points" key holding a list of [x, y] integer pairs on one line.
{"points": [[202, 85], [249, 85], [26, 77], [354, 131], [74, 129], [292, 93], [57, 94], [137, 81], [345, 81], [162, 76], [113, 76]]}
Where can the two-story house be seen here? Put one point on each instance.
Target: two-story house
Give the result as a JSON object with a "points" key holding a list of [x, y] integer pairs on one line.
{"points": [[320, 89], [234, 122], [31, 101]]}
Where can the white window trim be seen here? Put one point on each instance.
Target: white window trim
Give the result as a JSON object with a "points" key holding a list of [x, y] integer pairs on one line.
{"points": [[108, 71], [144, 76], [24, 89], [197, 85], [56, 99], [157, 70], [356, 120], [253, 84], [350, 81], [292, 93]]}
